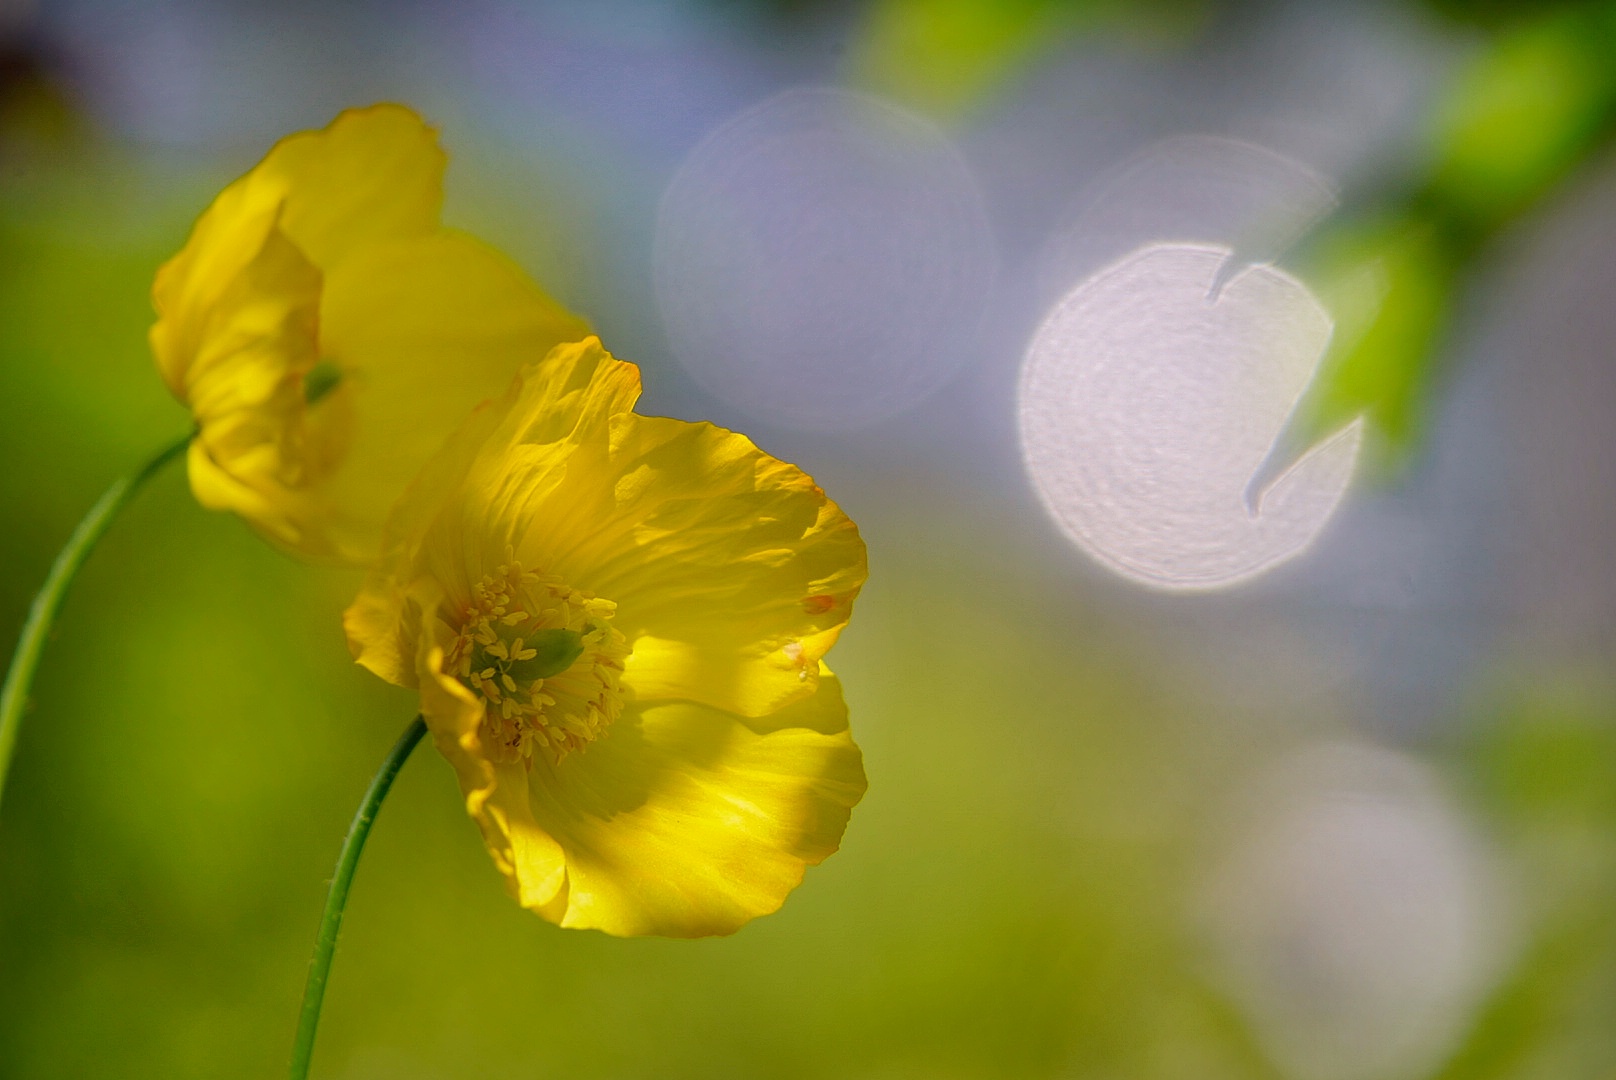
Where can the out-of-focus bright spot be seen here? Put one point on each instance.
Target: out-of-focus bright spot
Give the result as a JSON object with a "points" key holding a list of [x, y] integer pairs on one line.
{"points": [[823, 260], [1189, 189], [1358, 925], [1148, 401]]}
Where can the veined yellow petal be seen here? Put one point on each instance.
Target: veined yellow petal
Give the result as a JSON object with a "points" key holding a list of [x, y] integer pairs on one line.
{"points": [[466, 509], [733, 573], [423, 330], [688, 821], [690, 756]]}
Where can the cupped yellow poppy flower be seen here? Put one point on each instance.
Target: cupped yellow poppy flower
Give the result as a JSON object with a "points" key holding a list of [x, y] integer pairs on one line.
{"points": [[616, 624], [328, 333]]}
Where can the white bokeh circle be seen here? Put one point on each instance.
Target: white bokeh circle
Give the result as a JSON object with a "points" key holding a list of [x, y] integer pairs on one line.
{"points": [[823, 260], [1147, 403], [1358, 918]]}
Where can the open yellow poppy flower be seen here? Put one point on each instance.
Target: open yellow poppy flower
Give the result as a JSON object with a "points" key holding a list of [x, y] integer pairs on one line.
{"points": [[616, 624], [328, 333]]}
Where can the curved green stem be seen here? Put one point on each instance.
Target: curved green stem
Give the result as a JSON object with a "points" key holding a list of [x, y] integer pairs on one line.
{"points": [[20, 676], [325, 943]]}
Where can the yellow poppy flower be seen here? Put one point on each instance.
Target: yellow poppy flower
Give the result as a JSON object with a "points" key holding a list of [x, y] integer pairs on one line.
{"points": [[328, 333], [616, 623]]}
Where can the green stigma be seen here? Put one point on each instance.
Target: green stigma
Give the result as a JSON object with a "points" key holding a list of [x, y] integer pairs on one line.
{"points": [[553, 652], [320, 381]]}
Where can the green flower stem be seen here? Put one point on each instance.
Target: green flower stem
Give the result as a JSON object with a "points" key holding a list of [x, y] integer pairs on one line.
{"points": [[14, 694], [325, 944]]}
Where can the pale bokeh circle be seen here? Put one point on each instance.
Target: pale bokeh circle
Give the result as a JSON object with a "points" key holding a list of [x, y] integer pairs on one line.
{"points": [[1147, 404], [823, 260], [1358, 919]]}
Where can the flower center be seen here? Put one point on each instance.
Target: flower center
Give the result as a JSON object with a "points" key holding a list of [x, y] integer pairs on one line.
{"points": [[545, 660]]}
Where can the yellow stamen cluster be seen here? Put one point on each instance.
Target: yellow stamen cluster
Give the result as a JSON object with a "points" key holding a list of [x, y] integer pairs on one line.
{"points": [[518, 619]]}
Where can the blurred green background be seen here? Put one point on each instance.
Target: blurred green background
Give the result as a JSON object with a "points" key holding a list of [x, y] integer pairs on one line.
{"points": [[1354, 820]]}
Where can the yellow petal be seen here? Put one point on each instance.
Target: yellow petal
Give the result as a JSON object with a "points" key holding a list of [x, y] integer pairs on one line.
{"points": [[532, 862], [733, 573], [384, 627], [682, 820], [466, 508], [372, 174], [200, 288], [723, 765], [329, 252], [243, 380], [423, 330]]}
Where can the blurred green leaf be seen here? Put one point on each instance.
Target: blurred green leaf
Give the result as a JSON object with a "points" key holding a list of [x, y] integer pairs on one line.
{"points": [[1525, 112], [945, 57], [1553, 757], [941, 56], [1388, 285], [1521, 115]]}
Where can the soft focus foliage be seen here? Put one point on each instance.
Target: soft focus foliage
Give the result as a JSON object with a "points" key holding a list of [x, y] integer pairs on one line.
{"points": [[1516, 119], [948, 57], [1389, 284]]}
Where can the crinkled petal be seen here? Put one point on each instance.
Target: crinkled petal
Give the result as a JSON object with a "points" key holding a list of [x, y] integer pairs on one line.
{"points": [[730, 767], [732, 572], [469, 505], [682, 820]]}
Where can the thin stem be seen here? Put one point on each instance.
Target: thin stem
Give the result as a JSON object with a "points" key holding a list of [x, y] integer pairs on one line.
{"points": [[42, 613], [325, 943]]}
